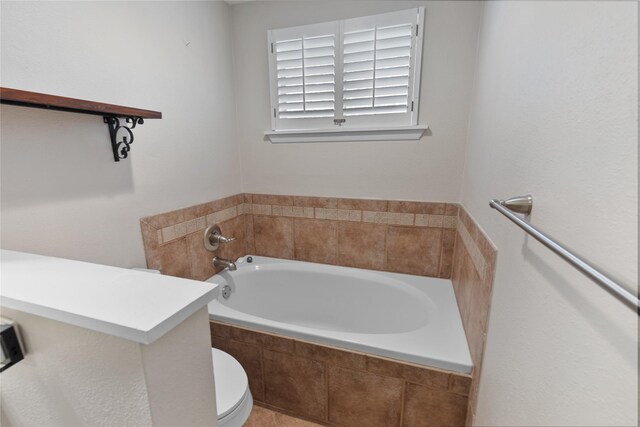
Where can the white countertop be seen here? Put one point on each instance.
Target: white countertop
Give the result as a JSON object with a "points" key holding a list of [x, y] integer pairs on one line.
{"points": [[129, 304]]}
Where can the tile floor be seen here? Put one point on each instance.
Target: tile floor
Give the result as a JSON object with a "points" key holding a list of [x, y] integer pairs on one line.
{"points": [[263, 417]]}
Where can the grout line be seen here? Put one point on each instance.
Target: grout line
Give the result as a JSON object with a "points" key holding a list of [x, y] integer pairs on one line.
{"points": [[326, 380], [403, 395], [264, 385], [441, 254]]}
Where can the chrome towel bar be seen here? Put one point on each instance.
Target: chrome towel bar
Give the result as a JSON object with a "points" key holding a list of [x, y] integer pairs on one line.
{"points": [[524, 204]]}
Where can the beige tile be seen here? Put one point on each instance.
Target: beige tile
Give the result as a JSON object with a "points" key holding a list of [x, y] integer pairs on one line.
{"points": [[316, 240], [436, 221], [433, 408], [413, 250], [331, 356], [349, 215], [225, 203], [361, 245], [322, 213], [219, 329], [293, 211], [363, 205], [192, 225], [359, 398], [451, 209], [286, 421], [450, 221], [260, 209], [199, 257], [417, 207], [174, 259], [151, 239], [418, 374], [472, 249], [268, 341], [446, 258], [168, 233], [181, 230], [195, 211], [395, 218], [165, 219], [375, 217], [471, 418], [295, 384], [316, 202], [247, 198], [273, 236], [276, 210], [224, 215], [460, 384], [272, 199], [261, 417], [422, 220], [249, 235], [248, 355]]}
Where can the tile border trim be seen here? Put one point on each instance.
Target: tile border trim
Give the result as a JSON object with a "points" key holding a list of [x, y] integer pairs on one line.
{"points": [[180, 229]]}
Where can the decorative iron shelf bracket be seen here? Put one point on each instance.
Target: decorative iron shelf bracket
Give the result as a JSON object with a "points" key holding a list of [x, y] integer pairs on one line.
{"points": [[120, 130], [121, 120]]}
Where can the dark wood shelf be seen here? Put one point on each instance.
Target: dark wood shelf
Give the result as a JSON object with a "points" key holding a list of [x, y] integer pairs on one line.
{"points": [[25, 98]]}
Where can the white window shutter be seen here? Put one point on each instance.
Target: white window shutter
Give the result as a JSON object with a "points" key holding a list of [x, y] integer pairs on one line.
{"points": [[303, 76], [364, 72], [379, 69]]}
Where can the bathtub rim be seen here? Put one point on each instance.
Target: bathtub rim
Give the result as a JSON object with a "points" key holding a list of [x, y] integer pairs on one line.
{"points": [[376, 344]]}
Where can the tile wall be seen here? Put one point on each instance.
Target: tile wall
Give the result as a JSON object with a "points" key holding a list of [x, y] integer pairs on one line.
{"points": [[338, 387], [423, 238], [397, 236], [474, 265]]}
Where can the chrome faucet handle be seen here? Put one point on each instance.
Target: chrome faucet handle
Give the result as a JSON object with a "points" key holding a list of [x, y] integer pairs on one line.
{"points": [[213, 237], [222, 239]]}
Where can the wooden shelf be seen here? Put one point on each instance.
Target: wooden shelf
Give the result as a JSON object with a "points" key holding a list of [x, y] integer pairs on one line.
{"points": [[119, 119], [52, 102]]}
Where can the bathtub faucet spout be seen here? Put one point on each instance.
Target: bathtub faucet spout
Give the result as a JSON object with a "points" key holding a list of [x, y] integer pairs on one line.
{"points": [[224, 263]]}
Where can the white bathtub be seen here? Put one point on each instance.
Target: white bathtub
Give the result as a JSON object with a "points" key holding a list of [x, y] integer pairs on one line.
{"points": [[404, 317]]}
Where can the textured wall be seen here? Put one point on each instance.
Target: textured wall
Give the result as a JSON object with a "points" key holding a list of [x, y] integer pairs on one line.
{"points": [[62, 194], [428, 169], [73, 376], [554, 113]]}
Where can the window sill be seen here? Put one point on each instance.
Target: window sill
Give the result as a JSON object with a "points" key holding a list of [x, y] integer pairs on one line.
{"points": [[346, 134]]}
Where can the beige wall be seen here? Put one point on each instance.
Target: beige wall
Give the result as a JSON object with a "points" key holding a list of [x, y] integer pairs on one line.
{"points": [[554, 113], [429, 169], [62, 194], [72, 376]]}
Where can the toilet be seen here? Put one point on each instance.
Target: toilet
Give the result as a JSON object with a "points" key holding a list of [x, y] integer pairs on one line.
{"points": [[233, 397]]}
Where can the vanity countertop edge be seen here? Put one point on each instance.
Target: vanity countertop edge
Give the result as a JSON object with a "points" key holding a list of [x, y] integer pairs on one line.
{"points": [[129, 304]]}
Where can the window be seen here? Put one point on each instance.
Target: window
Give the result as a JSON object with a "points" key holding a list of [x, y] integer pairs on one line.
{"points": [[353, 74]]}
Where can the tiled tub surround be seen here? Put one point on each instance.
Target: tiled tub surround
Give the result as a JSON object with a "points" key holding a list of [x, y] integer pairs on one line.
{"points": [[338, 387], [473, 271], [359, 233], [396, 236], [173, 241]]}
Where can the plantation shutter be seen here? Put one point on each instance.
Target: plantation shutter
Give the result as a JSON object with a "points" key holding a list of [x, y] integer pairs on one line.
{"points": [[360, 73], [303, 61], [378, 69]]}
